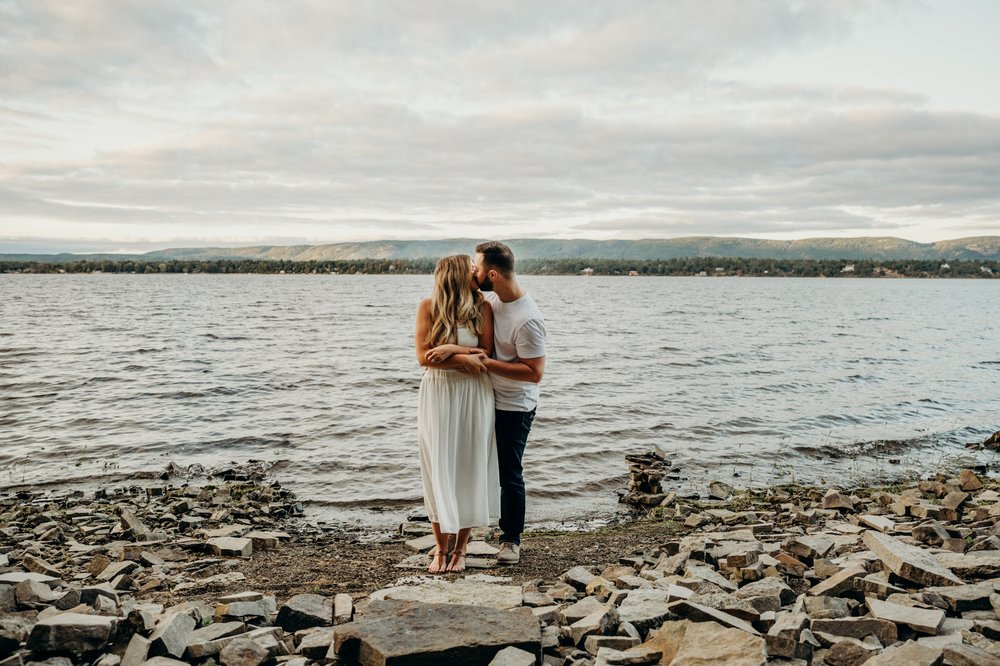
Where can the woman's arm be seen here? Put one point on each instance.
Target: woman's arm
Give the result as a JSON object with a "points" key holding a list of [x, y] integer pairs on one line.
{"points": [[466, 362]]}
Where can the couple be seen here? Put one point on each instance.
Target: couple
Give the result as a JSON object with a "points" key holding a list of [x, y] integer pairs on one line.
{"points": [[481, 340]]}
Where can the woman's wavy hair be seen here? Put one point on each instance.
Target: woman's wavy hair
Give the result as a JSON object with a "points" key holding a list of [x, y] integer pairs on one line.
{"points": [[454, 302]]}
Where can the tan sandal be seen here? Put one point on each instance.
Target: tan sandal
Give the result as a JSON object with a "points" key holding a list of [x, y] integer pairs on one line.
{"points": [[435, 567], [456, 555]]}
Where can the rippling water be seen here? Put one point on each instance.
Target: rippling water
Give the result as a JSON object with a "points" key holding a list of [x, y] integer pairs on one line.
{"points": [[773, 379]]}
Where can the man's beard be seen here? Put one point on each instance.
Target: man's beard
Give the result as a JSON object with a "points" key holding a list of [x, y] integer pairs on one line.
{"points": [[486, 284]]}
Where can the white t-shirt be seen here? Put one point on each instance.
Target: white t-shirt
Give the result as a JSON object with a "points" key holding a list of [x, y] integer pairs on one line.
{"points": [[518, 332]]}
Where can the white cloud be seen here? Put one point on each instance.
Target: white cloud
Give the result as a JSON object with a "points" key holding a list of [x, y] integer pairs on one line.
{"points": [[131, 123]]}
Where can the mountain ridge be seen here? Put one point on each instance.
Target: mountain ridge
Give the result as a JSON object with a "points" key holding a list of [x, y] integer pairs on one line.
{"points": [[986, 248]]}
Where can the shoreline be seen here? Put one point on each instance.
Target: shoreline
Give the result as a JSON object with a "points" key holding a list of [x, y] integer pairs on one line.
{"points": [[176, 548]]}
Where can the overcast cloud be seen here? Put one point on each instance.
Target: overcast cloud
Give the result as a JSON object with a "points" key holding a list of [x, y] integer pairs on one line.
{"points": [[128, 125]]}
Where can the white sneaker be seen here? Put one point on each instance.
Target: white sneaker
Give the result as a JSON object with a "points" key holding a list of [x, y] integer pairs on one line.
{"points": [[510, 553]]}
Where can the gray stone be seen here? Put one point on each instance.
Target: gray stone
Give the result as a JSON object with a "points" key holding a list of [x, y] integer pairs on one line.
{"points": [[137, 651], [8, 600], [31, 593], [839, 583], [215, 631], [908, 561], [231, 546], [594, 643], [243, 652], [880, 523], [967, 655], [809, 546], [645, 609], [974, 565], [441, 591], [15, 577], [600, 622], [316, 643], [636, 656], [71, 632], [343, 608], [431, 633], [116, 569], [770, 586], [14, 630], [512, 656], [259, 608], [708, 643], [708, 574], [857, 627], [164, 661], [827, 607], [699, 613], [962, 598], [172, 635], [197, 651], [924, 620], [305, 610], [580, 610], [909, 653], [578, 577]]}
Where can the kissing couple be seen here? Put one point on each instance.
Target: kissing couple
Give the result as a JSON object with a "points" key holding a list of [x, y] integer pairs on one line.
{"points": [[481, 341]]}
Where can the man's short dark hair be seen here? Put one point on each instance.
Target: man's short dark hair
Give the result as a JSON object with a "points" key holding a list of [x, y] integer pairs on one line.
{"points": [[497, 256]]}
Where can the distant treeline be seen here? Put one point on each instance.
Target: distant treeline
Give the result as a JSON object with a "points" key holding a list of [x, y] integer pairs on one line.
{"points": [[709, 266]]}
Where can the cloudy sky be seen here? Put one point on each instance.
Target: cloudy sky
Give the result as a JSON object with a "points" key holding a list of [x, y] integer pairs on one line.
{"points": [[140, 124]]}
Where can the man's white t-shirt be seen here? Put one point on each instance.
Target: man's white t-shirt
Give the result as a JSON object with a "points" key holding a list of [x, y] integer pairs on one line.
{"points": [[518, 332]]}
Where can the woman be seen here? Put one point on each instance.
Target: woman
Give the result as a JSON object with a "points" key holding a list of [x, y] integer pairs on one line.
{"points": [[458, 461]]}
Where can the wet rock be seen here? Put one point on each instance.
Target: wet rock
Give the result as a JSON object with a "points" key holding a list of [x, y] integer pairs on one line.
{"points": [[968, 481], [720, 490], [305, 610], [71, 632], [448, 633], [908, 561]]}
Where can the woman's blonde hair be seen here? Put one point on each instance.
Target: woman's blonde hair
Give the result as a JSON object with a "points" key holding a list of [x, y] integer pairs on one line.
{"points": [[454, 302]]}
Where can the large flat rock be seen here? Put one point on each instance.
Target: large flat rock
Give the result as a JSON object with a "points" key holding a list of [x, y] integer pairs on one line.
{"points": [[909, 562], [709, 643], [430, 590], [406, 633], [71, 632], [924, 620]]}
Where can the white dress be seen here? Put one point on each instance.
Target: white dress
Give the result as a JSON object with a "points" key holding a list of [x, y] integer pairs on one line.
{"points": [[458, 453]]}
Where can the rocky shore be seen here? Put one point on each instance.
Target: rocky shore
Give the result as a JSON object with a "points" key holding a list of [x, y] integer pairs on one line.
{"points": [[227, 572]]}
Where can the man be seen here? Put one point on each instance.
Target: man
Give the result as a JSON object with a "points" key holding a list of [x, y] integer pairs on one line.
{"points": [[516, 370]]}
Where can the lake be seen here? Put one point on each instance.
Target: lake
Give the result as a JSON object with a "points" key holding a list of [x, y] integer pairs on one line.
{"points": [[747, 380]]}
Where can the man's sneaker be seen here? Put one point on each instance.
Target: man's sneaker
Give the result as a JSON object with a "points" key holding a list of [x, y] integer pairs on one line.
{"points": [[510, 553]]}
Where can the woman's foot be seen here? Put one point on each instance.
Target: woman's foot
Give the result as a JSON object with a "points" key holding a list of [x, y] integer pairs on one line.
{"points": [[457, 564], [439, 561]]}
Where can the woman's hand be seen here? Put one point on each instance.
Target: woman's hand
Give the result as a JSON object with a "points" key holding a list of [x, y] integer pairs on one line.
{"points": [[442, 353]]}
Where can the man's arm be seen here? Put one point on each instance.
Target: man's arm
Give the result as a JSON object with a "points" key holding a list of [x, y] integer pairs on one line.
{"points": [[469, 363], [521, 369]]}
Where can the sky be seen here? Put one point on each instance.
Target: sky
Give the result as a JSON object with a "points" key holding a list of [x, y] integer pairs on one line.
{"points": [[135, 125]]}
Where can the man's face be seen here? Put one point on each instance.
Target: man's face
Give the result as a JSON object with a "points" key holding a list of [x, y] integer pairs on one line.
{"points": [[482, 274]]}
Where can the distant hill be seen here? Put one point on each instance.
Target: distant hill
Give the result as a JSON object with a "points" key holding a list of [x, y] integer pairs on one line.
{"points": [[985, 248]]}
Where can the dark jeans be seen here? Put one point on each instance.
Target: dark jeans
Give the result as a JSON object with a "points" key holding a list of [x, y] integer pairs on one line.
{"points": [[512, 430]]}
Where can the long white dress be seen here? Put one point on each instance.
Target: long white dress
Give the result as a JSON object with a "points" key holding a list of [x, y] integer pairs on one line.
{"points": [[458, 453]]}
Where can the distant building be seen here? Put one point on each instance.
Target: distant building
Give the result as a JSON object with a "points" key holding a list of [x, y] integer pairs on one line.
{"points": [[720, 269], [703, 274], [587, 271], [986, 269], [849, 268], [633, 273], [945, 267]]}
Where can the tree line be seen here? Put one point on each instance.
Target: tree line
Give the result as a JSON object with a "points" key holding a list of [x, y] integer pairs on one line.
{"points": [[689, 266]]}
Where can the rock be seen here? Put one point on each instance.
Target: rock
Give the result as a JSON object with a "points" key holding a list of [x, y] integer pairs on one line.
{"points": [[131, 523], [954, 499], [215, 631], [172, 634], [440, 591], [708, 574], [924, 620], [783, 637], [909, 653], [578, 577], [593, 644], [645, 609], [262, 607], [720, 490], [116, 569], [429, 633], [243, 652], [857, 627], [636, 656], [698, 613], [164, 661], [14, 630], [32, 593], [839, 583], [847, 653], [343, 608], [962, 598], [968, 480], [767, 587], [305, 610], [827, 607], [137, 651], [967, 655], [601, 622], [880, 523], [580, 610], [231, 546], [975, 565], [835, 500], [71, 632], [908, 562], [512, 656], [316, 644], [8, 598], [198, 651], [809, 546], [709, 643], [266, 540]]}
